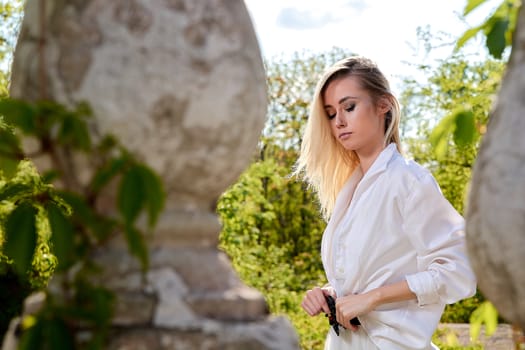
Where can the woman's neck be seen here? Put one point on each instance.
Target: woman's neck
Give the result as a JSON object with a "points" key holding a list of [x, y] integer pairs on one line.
{"points": [[367, 158]]}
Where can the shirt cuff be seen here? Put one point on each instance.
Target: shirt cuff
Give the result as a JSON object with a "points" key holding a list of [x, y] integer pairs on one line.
{"points": [[422, 285]]}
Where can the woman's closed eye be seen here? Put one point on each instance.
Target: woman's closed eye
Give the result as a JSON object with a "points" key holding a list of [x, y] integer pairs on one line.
{"points": [[350, 108], [330, 113]]}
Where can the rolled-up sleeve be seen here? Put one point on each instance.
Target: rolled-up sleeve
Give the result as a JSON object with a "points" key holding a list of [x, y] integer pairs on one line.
{"points": [[436, 230]]}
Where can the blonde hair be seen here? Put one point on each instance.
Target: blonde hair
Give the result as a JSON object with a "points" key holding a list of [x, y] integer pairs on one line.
{"points": [[323, 163]]}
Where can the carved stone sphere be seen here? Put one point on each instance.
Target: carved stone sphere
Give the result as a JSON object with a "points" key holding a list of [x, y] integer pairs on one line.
{"points": [[179, 82]]}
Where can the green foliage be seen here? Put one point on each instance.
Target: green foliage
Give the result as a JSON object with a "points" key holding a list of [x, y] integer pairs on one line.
{"points": [[21, 236], [272, 231], [63, 236], [47, 232], [498, 28], [10, 151], [291, 83], [53, 328], [460, 125], [461, 311], [12, 293], [455, 139], [486, 314], [10, 18], [447, 339], [449, 147], [272, 226]]}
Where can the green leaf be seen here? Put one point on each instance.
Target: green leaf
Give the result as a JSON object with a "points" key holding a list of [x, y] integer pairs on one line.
{"points": [[78, 205], [13, 190], [108, 143], [50, 115], [100, 226], [8, 166], [32, 337], [471, 5], [469, 34], [439, 136], [107, 172], [83, 109], [74, 132], [460, 124], [465, 132], [10, 151], [96, 304], [59, 336], [496, 41], [154, 193], [131, 195], [62, 234], [21, 236], [19, 114], [50, 176], [137, 245], [491, 319], [9, 143], [485, 313]]}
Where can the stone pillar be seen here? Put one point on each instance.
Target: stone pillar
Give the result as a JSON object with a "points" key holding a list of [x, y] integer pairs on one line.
{"points": [[182, 85]]}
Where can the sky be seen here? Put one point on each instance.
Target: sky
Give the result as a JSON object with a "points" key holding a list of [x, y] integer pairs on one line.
{"points": [[382, 30]]}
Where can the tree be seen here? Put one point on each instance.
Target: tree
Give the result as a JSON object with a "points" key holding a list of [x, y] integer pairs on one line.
{"points": [[496, 206], [458, 90], [10, 19]]}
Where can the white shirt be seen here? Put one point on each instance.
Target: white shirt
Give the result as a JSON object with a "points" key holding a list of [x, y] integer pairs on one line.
{"points": [[390, 225]]}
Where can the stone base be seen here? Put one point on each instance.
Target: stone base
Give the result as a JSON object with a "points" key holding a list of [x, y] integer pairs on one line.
{"points": [[273, 333], [183, 286], [502, 339]]}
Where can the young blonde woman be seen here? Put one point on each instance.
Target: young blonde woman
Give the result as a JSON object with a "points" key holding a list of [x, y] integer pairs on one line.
{"points": [[394, 248]]}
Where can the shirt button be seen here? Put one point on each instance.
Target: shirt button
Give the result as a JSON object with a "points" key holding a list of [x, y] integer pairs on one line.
{"points": [[340, 270]]}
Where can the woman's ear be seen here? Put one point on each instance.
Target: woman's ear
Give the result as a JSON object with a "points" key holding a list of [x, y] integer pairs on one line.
{"points": [[383, 105]]}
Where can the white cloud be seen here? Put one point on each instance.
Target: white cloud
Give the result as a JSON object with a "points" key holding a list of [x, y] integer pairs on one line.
{"points": [[294, 18]]}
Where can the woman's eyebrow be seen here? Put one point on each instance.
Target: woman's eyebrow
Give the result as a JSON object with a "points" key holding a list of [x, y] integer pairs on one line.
{"points": [[342, 100], [346, 98]]}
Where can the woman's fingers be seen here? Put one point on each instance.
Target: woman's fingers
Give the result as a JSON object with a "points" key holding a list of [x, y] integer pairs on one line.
{"points": [[314, 302], [346, 310]]}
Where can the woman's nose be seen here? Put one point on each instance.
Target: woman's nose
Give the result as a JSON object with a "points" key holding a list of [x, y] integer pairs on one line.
{"points": [[340, 121]]}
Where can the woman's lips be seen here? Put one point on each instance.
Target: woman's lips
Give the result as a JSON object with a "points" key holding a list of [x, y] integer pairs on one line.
{"points": [[345, 135]]}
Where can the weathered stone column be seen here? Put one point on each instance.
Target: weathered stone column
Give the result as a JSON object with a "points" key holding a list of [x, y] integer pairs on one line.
{"points": [[182, 85], [496, 202]]}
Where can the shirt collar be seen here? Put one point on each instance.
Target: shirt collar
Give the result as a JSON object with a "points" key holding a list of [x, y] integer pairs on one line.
{"points": [[381, 162]]}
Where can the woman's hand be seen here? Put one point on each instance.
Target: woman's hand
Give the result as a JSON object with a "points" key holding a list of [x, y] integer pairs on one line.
{"points": [[314, 301], [355, 305], [351, 306]]}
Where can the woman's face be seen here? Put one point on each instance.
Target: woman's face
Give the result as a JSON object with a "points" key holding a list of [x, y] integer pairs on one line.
{"points": [[356, 123]]}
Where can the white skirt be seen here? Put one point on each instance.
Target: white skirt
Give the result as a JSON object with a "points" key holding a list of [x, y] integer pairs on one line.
{"points": [[349, 340]]}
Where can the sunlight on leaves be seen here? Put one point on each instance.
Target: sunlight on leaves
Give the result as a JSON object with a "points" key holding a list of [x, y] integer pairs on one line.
{"points": [[452, 339], [486, 314], [460, 125], [471, 5]]}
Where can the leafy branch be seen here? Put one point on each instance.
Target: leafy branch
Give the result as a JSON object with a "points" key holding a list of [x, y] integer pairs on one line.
{"points": [[68, 217]]}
